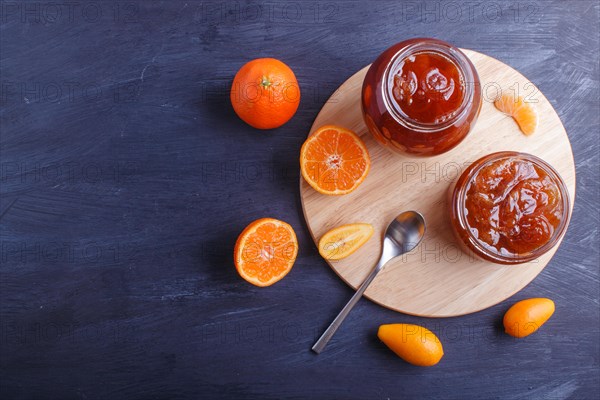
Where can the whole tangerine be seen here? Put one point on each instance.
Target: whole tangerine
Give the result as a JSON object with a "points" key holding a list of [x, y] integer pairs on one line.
{"points": [[265, 93]]}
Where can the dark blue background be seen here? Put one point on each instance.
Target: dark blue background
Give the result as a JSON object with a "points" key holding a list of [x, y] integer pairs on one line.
{"points": [[126, 178]]}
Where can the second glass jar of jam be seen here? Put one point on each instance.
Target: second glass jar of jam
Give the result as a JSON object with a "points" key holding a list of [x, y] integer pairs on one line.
{"points": [[509, 207], [421, 97]]}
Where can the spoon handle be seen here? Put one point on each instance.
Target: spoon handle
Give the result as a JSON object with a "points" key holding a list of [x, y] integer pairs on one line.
{"points": [[328, 334]]}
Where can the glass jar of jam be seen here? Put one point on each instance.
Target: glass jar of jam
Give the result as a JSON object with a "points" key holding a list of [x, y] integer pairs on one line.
{"points": [[421, 97], [509, 207]]}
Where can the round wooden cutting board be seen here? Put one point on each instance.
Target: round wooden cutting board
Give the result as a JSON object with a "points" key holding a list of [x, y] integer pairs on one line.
{"points": [[436, 279]]}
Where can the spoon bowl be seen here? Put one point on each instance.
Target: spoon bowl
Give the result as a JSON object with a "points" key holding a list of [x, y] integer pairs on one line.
{"points": [[405, 232]]}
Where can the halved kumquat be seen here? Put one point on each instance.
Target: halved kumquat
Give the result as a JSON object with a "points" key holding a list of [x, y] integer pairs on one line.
{"points": [[344, 240]]}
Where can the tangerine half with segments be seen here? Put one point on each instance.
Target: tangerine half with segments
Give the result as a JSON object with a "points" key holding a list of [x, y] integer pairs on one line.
{"points": [[334, 160], [265, 251]]}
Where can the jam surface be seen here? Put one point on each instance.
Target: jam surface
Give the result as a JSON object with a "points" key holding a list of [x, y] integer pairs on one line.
{"points": [[513, 206], [428, 88]]}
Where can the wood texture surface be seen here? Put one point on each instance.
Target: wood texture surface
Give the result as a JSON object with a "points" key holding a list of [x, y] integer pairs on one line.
{"points": [[437, 279], [122, 195]]}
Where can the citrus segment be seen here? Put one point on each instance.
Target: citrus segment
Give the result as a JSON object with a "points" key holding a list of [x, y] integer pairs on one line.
{"points": [[344, 240], [334, 160], [522, 112], [265, 251]]}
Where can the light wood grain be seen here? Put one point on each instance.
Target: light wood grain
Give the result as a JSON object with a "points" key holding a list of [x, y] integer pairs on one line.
{"points": [[437, 279]]}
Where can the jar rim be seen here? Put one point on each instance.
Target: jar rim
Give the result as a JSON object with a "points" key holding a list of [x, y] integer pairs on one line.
{"points": [[455, 56], [459, 198]]}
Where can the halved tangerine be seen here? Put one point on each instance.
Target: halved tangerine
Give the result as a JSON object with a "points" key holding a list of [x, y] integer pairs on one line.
{"points": [[523, 112], [265, 251], [334, 160]]}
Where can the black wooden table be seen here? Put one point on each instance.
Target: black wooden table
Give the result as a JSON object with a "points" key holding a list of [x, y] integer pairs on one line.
{"points": [[126, 178]]}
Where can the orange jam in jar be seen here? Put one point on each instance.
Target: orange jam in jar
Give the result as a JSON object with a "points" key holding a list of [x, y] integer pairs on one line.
{"points": [[510, 207], [421, 97], [428, 88]]}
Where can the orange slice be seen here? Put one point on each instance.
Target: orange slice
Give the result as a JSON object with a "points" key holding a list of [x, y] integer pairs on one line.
{"points": [[265, 251], [334, 160], [344, 240], [522, 112]]}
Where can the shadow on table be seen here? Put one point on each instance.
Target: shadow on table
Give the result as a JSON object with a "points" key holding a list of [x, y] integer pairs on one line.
{"points": [[214, 99], [216, 258]]}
